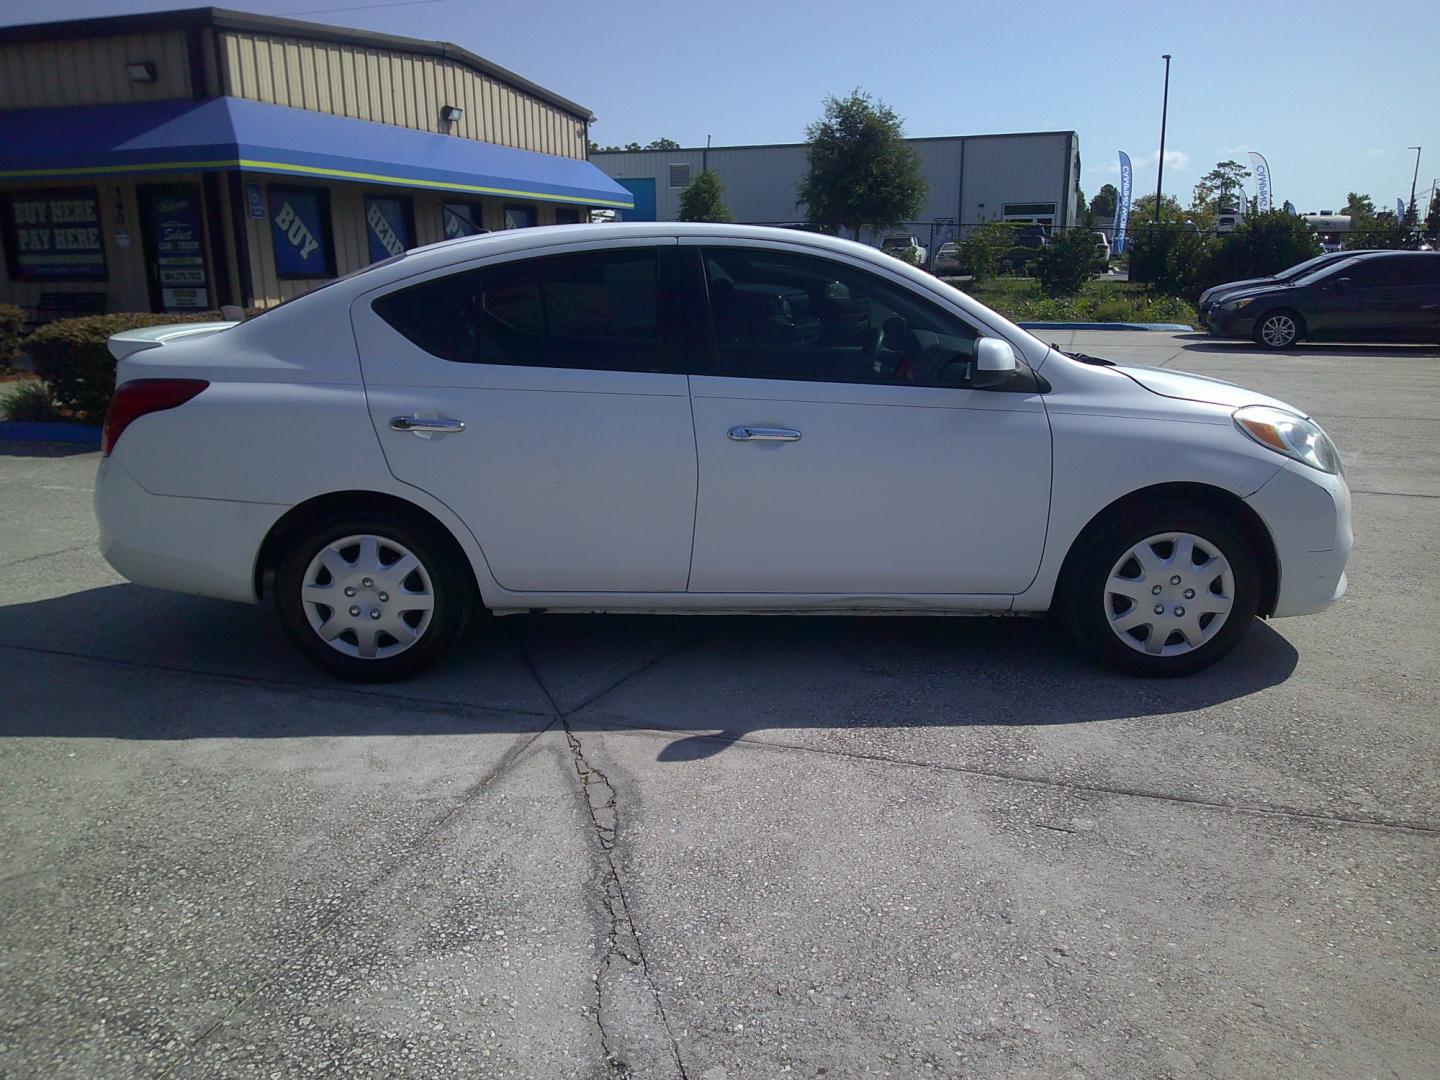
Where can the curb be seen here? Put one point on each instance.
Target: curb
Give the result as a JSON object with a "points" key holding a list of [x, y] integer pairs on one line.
{"points": [[24, 431], [1173, 328]]}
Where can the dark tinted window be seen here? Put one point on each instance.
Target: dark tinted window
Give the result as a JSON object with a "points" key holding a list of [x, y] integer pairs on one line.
{"points": [[596, 310], [783, 316], [1387, 270]]}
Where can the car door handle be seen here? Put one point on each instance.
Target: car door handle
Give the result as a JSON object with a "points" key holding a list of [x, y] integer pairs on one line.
{"points": [[744, 433], [426, 424]]}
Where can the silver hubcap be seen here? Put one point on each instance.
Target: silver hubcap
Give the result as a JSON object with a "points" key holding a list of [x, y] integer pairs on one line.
{"points": [[368, 596], [1169, 594], [1278, 330]]}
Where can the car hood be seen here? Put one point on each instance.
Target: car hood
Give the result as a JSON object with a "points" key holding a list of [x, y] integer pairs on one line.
{"points": [[1235, 286], [1186, 387]]}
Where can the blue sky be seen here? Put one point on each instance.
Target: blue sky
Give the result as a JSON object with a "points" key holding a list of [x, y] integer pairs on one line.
{"points": [[1331, 93]]}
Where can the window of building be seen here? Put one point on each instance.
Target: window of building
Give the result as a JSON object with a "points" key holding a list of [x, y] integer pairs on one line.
{"points": [[679, 174], [783, 316], [519, 217], [462, 219], [300, 228], [389, 226], [54, 235], [1037, 213], [597, 310], [567, 215]]}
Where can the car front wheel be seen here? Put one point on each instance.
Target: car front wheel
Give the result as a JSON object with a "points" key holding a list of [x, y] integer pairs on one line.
{"points": [[1167, 594], [372, 598], [1277, 329]]}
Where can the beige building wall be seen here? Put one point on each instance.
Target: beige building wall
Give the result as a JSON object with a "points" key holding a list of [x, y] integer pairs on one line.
{"points": [[391, 87], [91, 71], [347, 222]]}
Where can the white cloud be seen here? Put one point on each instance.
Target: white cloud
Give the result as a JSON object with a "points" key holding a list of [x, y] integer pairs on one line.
{"points": [[1376, 152], [1174, 159]]}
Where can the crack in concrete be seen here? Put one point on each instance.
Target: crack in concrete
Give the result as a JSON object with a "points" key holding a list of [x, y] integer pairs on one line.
{"points": [[622, 939]]}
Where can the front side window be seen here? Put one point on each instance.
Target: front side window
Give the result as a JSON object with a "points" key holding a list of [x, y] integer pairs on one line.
{"points": [[783, 316], [596, 310]]}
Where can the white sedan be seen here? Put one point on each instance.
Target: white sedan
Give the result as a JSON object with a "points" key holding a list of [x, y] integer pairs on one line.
{"points": [[699, 418]]}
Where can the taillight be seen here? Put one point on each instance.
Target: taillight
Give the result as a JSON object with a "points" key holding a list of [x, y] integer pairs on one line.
{"points": [[137, 397]]}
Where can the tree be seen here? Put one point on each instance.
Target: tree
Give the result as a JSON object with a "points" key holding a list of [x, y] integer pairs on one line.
{"points": [[1066, 263], [1432, 219], [1167, 258], [1222, 188], [653, 144], [862, 172], [1142, 210], [1384, 230], [703, 199], [1105, 201], [1357, 205]]}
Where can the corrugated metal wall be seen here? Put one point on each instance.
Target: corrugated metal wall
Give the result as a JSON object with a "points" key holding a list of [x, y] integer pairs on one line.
{"points": [[91, 71], [394, 88], [1003, 169]]}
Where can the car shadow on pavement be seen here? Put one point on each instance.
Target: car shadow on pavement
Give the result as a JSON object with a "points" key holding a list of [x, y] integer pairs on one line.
{"points": [[1327, 350], [25, 448], [711, 679]]}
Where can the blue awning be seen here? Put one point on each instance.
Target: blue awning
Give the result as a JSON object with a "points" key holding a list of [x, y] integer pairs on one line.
{"points": [[232, 133]]}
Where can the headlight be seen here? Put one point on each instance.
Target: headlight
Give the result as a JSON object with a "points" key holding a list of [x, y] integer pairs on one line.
{"points": [[1291, 435], [1236, 305]]}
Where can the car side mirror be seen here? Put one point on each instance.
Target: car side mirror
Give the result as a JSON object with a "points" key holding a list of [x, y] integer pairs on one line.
{"points": [[994, 363]]}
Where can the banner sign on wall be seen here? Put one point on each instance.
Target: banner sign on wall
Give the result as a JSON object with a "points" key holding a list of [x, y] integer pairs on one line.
{"points": [[1122, 205], [301, 231], [56, 235], [461, 219], [1262, 181], [177, 244], [387, 226]]}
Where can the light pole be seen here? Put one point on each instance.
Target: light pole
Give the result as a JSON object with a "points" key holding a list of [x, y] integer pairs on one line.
{"points": [[1413, 177], [1164, 114]]}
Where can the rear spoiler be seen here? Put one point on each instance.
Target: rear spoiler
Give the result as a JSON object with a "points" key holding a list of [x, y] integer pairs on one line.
{"points": [[128, 342]]}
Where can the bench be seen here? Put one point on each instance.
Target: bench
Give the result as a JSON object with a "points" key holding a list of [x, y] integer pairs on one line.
{"points": [[67, 305]]}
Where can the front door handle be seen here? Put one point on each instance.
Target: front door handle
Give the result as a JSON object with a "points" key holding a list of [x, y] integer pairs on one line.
{"points": [[425, 424], [745, 433]]}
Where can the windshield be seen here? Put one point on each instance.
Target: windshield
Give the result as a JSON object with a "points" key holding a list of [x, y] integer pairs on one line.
{"points": [[1325, 271], [1309, 266]]}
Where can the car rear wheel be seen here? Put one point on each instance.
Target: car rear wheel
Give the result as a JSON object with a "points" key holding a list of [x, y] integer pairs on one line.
{"points": [[372, 598], [1167, 593], [1277, 329]]}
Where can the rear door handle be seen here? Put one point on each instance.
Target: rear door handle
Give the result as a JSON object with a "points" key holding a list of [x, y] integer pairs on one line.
{"points": [[425, 424], [745, 433]]}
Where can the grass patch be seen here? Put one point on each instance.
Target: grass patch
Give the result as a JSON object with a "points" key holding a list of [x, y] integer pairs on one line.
{"points": [[1020, 300]]}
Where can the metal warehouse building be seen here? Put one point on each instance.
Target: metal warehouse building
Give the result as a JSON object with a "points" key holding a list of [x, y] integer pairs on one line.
{"points": [[1027, 176], [187, 159]]}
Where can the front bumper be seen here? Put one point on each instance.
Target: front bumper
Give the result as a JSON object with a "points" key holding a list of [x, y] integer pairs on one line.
{"points": [[1308, 515], [1236, 324], [207, 547]]}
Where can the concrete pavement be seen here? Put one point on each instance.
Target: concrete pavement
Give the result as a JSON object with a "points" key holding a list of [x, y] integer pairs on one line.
{"points": [[731, 847]]}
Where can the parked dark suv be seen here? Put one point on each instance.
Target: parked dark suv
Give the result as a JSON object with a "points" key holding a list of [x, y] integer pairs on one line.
{"points": [[1378, 296]]}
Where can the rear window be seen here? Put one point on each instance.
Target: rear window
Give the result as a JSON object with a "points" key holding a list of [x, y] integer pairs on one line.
{"points": [[596, 310]]}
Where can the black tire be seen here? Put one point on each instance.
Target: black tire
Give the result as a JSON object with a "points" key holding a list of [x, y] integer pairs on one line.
{"points": [[1083, 595], [1279, 329], [451, 586]]}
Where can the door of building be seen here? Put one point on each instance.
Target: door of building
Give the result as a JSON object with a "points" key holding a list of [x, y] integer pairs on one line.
{"points": [[172, 224]]}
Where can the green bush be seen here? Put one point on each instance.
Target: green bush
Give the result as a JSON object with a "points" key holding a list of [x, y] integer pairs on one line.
{"points": [[11, 319], [30, 401], [1169, 259], [70, 355], [982, 250], [1065, 264], [1263, 244], [1021, 300]]}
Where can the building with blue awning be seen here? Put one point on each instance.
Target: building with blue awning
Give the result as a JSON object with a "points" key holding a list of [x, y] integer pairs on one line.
{"points": [[205, 157]]}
